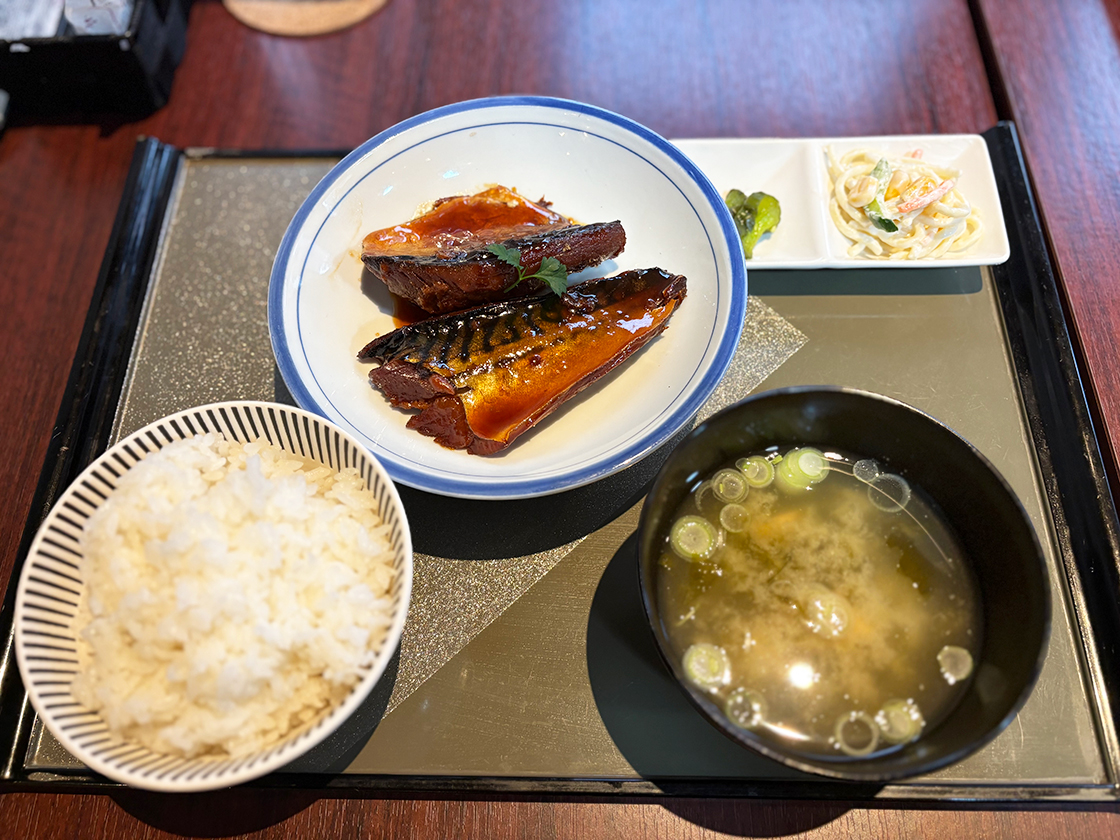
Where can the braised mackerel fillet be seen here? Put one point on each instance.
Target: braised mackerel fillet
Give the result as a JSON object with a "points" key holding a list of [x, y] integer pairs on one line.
{"points": [[439, 260], [484, 376]]}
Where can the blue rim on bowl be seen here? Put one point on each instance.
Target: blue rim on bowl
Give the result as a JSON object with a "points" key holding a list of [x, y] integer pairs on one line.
{"points": [[299, 319]]}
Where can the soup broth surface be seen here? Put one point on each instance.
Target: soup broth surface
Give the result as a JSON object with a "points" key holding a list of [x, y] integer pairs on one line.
{"points": [[835, 615]]}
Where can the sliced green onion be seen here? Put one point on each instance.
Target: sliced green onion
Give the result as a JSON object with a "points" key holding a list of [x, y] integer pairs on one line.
{"points": [[694, 538], [857, 734], [889, 492], [707, 666], [812, 463], [866, 470], [955, 662], [704, 497], [744, 708], [788, 479], [729, 485], [801, 468], [900, 721], [757, 470], [733, 518]]}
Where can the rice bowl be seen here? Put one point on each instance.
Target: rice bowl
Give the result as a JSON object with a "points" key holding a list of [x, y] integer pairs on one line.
{"points": [[210, 639]]}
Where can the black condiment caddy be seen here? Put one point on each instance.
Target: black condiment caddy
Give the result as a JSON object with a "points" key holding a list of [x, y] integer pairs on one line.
{"points": [[70, 76]]}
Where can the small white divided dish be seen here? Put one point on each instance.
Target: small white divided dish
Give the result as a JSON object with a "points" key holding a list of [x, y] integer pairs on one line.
{"points": [[594, 166], [51, 588], [796, 173]]}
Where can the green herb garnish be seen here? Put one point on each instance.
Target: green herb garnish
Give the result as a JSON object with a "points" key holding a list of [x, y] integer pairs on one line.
{"points": [[552, 271]]}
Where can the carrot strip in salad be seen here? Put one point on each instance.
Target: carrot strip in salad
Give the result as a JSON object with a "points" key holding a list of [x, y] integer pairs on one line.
{"points": [[927, 198]]}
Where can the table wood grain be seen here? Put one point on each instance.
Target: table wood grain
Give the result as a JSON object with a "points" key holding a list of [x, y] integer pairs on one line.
{"points": [[280, 816], [693, 68], [1060, 67]]}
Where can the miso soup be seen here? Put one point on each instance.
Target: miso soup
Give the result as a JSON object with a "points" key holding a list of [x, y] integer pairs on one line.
{"points": [[821, 601]]}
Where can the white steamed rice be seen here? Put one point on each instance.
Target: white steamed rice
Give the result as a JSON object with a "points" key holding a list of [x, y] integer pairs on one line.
{"points": [[234, 593]]}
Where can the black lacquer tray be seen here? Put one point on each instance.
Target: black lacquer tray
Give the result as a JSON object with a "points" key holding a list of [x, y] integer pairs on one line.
{"points": [[558, 690]]}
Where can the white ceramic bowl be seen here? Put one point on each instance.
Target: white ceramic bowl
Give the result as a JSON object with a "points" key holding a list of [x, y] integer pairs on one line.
{"points": [[594, 166], [50, 587]]}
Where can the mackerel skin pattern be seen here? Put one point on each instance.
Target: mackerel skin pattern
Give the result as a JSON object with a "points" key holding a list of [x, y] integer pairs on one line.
{"points": [[482, 377]]}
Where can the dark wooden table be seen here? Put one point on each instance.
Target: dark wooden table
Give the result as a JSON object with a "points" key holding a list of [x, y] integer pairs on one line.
{"points": [[1059, 66], [692, 68]]}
